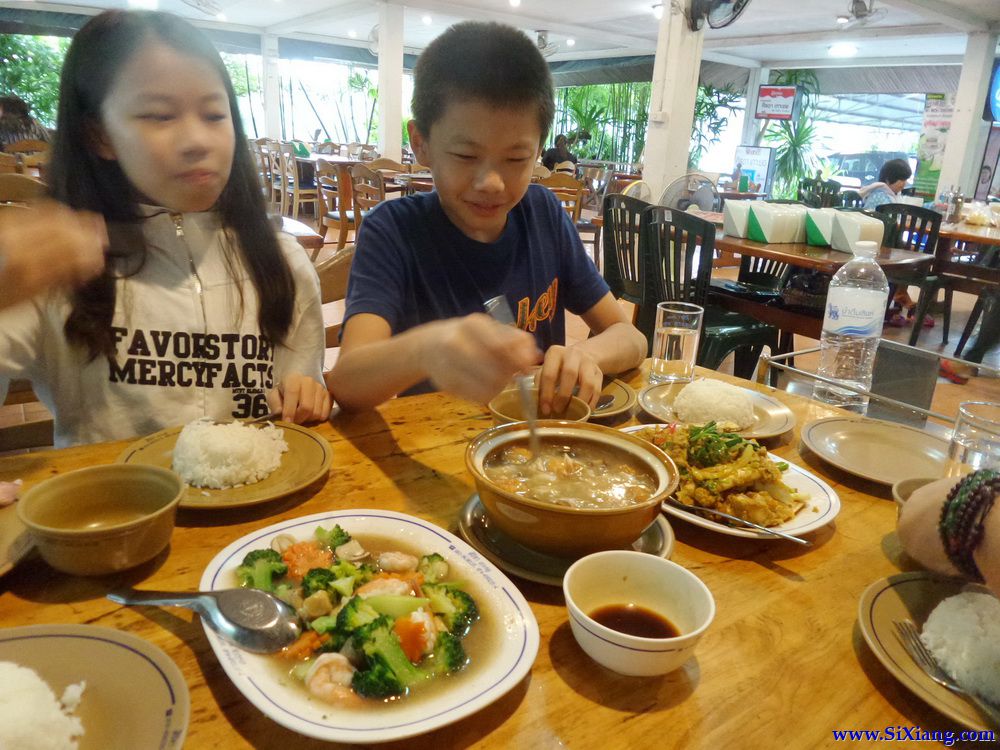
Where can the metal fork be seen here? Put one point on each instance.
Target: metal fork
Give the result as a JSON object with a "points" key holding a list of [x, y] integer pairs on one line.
{"points": [[909, 637]]}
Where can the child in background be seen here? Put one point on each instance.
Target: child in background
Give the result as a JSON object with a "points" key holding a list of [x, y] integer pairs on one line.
{"points": [[483, 104], [200, 310]]}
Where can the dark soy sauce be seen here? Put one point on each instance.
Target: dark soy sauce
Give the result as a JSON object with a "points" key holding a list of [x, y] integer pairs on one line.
{"points": [[635, 620]]}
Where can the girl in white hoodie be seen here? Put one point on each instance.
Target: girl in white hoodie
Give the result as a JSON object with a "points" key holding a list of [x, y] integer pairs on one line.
{"points": [[201, 310]]}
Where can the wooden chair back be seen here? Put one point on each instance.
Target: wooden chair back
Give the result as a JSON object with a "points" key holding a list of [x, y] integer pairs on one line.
{"points": [[385, 164], [337, 204], [328, 148], [19, 188], [369, 190], [368, 152], [27, 146], [9, 164], [333, 276], [568, 190], [416, 167]]}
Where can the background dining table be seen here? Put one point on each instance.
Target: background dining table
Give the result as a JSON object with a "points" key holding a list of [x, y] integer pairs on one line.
{"points": [[782, 665]]}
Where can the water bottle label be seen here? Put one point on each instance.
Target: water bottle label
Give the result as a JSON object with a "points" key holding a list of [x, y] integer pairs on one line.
{"points": [[854, 312]]}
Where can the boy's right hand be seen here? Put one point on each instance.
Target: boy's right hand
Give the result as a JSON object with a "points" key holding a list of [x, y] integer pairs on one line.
{"points": [[48, 245], [475, 357]]}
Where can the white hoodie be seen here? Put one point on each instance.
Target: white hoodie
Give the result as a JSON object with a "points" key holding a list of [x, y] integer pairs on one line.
{"points": [[185, 347]]}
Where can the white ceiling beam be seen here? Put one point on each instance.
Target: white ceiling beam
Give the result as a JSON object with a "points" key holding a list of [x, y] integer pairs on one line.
{"points": [[833, 35], [527, 21], [864, 62], [951, 15], [599, 54], [335, 9], [724, 57]]}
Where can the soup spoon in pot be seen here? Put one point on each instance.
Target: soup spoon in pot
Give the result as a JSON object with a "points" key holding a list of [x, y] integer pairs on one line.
{"points": [[252, 619]]}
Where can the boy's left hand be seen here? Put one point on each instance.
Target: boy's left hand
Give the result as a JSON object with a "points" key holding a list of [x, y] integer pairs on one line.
{"points": [[300, 399], [564, 370]]}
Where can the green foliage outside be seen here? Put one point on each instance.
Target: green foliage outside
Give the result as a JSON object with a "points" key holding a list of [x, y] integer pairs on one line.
{"points": [[604, 121], [712, 109], [29, 68]]}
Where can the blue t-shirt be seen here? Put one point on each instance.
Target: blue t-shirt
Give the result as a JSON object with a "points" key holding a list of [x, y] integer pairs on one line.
{"points": [[413, 266]]}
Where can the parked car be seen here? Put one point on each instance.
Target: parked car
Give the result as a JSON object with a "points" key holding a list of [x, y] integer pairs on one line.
{"points": [[856, 170]]}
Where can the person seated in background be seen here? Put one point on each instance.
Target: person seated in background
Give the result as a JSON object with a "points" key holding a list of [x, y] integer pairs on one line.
{"points": [[558, 154], [425, 264], [17, 124], [892, 179]]}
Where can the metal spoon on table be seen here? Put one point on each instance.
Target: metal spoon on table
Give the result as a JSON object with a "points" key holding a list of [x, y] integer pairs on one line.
{"points": [[252, 619], [689, 509]]}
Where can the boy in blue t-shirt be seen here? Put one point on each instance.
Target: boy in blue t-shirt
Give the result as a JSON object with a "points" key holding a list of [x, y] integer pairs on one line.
{"points": [[483, 103]]}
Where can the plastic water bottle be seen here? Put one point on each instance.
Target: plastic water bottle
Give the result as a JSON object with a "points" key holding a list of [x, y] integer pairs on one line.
{"points": [[852, 325]]}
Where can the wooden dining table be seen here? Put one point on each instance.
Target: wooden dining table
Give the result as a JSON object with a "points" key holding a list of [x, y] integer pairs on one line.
{"points": [[782, 665]]}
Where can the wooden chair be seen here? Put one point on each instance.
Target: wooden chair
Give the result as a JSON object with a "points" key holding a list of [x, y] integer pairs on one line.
{"points": [[416, 167], [27, 146], [9, 164], [368, 152], [568, 190], [19, 188], [333, 276], [368, 187], [385, 164], [293, 193], [270, 151], [328, 148], [334, 184]]}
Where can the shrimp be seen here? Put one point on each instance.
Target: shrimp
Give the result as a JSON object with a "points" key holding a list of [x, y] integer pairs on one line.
{"points": [[393, 586], [397, 562], [329, 679]]}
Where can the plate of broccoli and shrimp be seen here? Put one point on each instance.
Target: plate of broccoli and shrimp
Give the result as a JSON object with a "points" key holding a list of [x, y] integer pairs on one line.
{"points": [[405, 628]]}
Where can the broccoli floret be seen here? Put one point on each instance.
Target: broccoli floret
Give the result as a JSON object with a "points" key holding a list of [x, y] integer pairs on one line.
{"points": [[387, 670], [356, 613], [316, 579], [348, 576], [259, 568], [448, 656], [433, 567], [286, 592], [455, 607], [332, 538]]}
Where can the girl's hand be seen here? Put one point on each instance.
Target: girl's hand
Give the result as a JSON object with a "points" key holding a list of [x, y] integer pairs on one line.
{"points": [[300, 399], [48, 245], [918, 526], [564, 370]]}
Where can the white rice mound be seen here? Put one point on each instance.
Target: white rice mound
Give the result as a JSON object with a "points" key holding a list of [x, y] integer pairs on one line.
{"points": [[227, 455], [702, 401], [30, 716], [963, 633]]}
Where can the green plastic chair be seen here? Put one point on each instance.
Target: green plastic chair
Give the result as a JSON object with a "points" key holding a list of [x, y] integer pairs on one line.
{"points": [[624, 262], [678, 248]]}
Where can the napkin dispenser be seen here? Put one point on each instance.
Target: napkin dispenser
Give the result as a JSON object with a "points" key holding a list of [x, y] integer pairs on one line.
{"points": [[734, 218], [819, 226], [851, 226], [776, 223]]}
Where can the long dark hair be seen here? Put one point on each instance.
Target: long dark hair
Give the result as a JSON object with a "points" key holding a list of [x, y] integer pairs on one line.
{"points": [[83, 180]]}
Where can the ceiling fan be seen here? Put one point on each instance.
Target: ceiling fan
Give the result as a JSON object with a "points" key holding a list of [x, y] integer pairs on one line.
{"points": [[718, 13], [546, 47], [208, 7], [859, 13]]}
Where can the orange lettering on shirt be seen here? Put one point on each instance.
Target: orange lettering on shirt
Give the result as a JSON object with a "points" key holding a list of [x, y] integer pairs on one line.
{"points": [[528, 316]]}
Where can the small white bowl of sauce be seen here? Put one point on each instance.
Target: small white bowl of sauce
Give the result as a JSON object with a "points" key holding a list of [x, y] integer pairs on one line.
{"points": [[635, 613]]}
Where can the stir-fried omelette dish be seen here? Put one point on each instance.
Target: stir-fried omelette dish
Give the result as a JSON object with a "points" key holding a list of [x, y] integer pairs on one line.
{"points": [[726, 472]]}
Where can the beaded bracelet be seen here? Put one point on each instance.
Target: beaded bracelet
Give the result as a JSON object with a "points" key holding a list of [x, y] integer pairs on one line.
{"points": [[962, 517]]}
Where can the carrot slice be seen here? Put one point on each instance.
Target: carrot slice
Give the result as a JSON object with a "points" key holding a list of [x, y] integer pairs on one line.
{"points": [[411, 637], [302, 557], [305, 646]]}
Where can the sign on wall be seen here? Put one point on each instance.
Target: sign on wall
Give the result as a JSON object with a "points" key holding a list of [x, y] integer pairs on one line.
{"points": [[991, 112], [757, 163], [938, 111], [777, 102]]}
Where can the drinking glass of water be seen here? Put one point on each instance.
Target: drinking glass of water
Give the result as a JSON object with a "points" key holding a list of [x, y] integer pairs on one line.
{"points": [[675, 342], [975, 442]]}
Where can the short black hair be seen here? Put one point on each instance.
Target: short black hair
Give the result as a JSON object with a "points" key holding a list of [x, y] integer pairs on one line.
{"points": [[895, 170], [487, 62], [14, 105]]}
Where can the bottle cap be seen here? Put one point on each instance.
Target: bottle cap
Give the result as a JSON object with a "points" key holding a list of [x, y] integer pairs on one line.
{"points": [[866, 248]]}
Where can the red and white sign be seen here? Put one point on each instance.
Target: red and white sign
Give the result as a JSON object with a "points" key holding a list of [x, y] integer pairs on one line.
{"points": [[775, 102]]}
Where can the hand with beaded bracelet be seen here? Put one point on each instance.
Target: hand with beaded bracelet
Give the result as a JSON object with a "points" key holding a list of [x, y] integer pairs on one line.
{"points": [[919, 532]]}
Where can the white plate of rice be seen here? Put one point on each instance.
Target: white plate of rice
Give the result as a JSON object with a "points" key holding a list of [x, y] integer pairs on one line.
{"points": [[706, 400], [133, 695], [506, 632], [914, 596], [268, 471]]}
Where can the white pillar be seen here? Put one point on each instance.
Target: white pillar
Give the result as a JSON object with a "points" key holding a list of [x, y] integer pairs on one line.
{"points": [[671, 105], [272, 94], [966, 142], [390, 80], [751, 125]]}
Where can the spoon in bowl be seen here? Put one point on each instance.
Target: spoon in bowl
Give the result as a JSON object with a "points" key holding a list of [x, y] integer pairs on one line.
{"points": [[252, 619]]}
